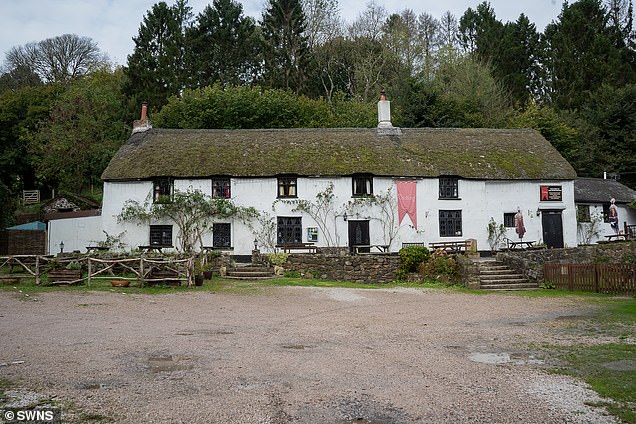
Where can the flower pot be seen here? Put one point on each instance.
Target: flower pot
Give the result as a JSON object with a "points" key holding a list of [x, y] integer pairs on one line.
{"points": [[198, 280], [207, 275], [120, 283]]}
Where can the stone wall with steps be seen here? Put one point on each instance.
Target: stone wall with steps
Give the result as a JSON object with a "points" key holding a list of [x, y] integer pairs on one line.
{"points": [[530, 262]]}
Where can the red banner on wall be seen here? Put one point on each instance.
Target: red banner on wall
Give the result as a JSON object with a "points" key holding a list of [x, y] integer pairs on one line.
{"points": [[407, 201]]}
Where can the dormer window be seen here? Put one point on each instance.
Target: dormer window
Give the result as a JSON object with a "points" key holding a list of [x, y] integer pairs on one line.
{"points": [[287, 187], [362, 185], [162, 190], [449, 188], [221, 188]]}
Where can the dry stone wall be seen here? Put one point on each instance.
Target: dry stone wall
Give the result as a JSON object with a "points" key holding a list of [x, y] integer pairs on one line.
{"points": [[333, 265]]}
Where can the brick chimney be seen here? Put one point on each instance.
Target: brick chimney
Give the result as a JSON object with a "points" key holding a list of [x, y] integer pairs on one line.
{"points": [[142, 124]]}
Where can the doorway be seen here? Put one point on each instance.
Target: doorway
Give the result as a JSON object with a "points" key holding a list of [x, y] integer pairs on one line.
{"points": [[552, 228], [359, 235]]}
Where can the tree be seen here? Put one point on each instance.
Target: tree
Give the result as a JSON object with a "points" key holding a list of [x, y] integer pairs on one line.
{"points": [[86, 126], [155, 70], [222, 46], [19, 77], [402, 37], [429, 35], [21, 111], [322, 21], [285, 49], [582, 54], [368, 25], [58, 59]]}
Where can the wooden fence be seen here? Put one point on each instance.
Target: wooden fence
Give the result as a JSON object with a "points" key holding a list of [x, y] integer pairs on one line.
{"points": [[144, 270], [597, 278]]}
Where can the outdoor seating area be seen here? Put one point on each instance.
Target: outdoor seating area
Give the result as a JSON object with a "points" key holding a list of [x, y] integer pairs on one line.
{"points": [[519, 244], [289, 248], [370, 248], [460, 246]]}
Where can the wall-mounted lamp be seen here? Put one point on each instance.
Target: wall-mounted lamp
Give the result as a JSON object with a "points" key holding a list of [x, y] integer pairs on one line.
{"points": [[61, 247], [344, 216], [538, 212]]}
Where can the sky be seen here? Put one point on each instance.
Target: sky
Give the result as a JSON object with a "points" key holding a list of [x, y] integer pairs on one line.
{"points": [[113, 23]]}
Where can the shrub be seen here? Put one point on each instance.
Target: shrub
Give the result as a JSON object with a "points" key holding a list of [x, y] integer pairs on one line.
{"points": [[410, 258], [278, 259], [440, 266]]}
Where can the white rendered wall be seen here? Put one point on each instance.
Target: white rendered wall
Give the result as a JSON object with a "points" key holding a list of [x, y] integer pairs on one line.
{"points": [[626, 215], [478, 201], [76, 233]]}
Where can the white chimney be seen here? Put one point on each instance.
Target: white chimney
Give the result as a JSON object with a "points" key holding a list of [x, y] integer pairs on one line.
{"points": [[384, 112], [143, 124]]}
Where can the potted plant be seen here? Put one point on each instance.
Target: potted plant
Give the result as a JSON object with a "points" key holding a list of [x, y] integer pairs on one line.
{"points": [[120, 283]]}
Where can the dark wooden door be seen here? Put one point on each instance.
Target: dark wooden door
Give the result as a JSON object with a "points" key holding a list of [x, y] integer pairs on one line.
{"points": [[552, 228], [359, 234]]}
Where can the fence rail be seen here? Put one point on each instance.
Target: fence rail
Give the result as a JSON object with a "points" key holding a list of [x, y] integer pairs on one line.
{"points": [[143, 269], [597, 278]]}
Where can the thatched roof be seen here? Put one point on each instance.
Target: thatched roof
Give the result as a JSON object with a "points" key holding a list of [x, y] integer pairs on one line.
{"points": [[467, 153], [598, 190]]}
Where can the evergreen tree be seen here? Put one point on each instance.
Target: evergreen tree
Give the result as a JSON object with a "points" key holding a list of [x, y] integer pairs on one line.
{"points": [[223, 46], [156, 68], [285, 50], [583, 55]]}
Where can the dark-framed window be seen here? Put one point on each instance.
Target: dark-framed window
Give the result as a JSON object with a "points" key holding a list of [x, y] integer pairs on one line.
{"points": [[289, 230], [161, 235], [606, 212], [362, 185], [221, 188], [583, 213], [162, 190], [450, 223], [448, 188], [287, 187], [509, 220], [221, 235]]}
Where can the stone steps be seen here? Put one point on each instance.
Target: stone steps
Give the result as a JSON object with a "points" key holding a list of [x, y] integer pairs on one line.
{"points": [[250, 272], [494, 275]]}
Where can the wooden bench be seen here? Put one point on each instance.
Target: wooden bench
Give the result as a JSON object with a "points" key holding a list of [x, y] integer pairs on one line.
{"points": [[64, 276], [167, 277], [451, 246], [287, 248]]}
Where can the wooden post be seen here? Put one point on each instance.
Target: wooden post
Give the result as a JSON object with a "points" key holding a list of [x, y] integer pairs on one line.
{"points": [[141, 272], [37, 270], [90, 272]]}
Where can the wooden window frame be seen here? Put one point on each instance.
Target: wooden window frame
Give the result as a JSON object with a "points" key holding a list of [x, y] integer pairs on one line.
{"points": [[287, 187], [449, 188], [165, 238], [450, 223], [221, 188], [362, 185], [162, 190]]}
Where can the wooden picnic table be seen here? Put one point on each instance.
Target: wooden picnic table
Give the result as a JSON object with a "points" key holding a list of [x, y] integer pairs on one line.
{"points": [[153, 248], [90, 249], [368, 248], [450, 246], [617, 237], [287, 248], [521, 244]]}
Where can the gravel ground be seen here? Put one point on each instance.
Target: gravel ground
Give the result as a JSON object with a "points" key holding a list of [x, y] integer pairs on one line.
{"points": [[293, 355]]}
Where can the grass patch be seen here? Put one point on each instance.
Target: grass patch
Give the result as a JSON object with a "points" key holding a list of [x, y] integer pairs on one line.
{"points": [[609, 368]]}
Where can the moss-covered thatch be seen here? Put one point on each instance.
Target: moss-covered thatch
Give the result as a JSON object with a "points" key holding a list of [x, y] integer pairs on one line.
{"points": [[468, 153]]}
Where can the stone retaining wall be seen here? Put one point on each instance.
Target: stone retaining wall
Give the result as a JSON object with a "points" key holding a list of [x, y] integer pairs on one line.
{"points": [[530, 262], [371, 268]]}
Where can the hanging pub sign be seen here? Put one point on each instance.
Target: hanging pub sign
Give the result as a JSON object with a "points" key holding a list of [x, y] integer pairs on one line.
{"points": [[551, 193]]}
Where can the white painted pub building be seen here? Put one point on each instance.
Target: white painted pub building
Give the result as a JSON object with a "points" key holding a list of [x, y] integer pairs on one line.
{"points": [[441, 184]]}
